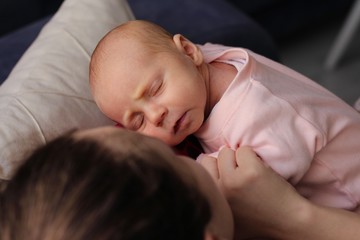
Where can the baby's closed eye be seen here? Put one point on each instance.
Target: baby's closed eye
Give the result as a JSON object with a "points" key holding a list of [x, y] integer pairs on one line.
{"points": [[136, 122], [155, 88]]}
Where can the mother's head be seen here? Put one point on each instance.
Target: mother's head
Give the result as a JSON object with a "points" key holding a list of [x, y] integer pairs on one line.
{"points": [[110, 183]]}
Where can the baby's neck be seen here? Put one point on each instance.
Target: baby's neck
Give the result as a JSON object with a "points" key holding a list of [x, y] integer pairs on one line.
{"points": [[220, 77]]}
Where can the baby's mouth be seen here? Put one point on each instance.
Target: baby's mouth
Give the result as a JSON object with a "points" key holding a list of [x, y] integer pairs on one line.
{"points": [[179, 123]]}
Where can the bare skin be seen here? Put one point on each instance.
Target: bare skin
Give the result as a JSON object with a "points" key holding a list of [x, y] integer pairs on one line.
{"points": [[166, 93]]}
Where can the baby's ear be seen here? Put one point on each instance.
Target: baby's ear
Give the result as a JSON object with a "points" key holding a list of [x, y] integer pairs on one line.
{"points": [[187, 47]]}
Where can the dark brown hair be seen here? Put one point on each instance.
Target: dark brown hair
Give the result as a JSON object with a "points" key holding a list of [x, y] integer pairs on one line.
{"points": [[77, 189]]}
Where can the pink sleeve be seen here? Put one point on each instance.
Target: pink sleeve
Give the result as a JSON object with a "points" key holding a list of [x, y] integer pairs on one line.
{"points": [[285, 140]]}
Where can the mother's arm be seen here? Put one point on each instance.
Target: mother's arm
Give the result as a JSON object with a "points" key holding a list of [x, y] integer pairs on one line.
{"points": [[265, 205]]}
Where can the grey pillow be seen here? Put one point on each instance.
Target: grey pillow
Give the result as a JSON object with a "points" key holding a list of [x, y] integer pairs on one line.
{"points": [[47, 92]]}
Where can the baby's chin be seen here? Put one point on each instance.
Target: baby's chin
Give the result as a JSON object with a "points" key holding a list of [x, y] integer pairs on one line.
{"points": [[175, 139], [172, 142]]}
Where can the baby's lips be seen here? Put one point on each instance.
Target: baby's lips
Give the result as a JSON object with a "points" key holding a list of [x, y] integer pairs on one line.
{"points": [[119, 125]]}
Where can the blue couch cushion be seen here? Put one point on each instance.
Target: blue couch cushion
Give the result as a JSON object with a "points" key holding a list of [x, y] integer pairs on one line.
{"points": [[15, 14], [13, 45], [203, 21], [285, 20]]}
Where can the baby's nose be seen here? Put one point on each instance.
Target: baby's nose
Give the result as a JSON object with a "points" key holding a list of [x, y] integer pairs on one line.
{"points": [[156, 114]]}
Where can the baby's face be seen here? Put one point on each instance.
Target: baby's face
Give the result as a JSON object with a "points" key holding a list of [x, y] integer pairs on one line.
{"points": [[159, 94]]}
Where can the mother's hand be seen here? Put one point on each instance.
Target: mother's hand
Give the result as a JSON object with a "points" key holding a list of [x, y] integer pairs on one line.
{"points": [[260, 199], [264, 204]]}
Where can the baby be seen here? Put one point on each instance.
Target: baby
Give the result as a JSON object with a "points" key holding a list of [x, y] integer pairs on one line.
{"points": [[167, 87]]}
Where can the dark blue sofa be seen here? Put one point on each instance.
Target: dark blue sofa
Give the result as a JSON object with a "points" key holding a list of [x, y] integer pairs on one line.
{"points": [[252, 24], [202, 21]]}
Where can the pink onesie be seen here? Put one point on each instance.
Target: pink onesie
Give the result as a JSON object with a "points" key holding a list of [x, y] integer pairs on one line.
{"points": [[304, 132]]}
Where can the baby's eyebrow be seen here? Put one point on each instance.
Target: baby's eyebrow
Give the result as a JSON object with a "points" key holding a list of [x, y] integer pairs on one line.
{"points": [[140, 90]]}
